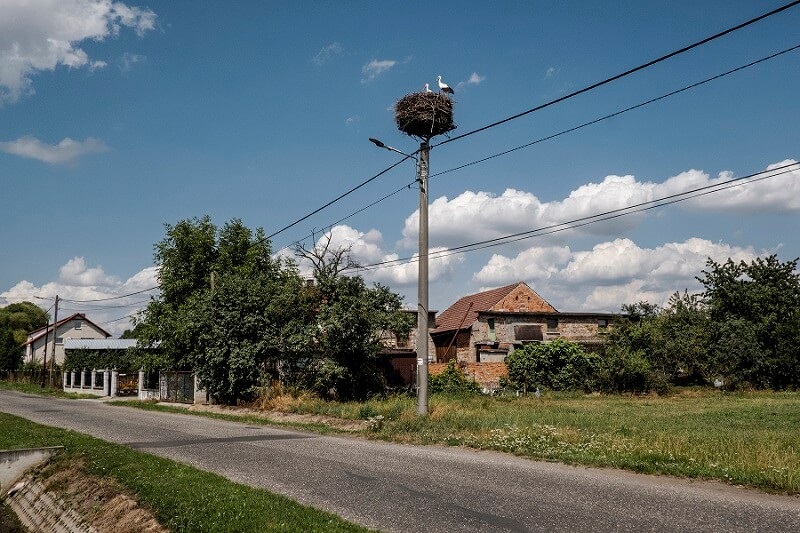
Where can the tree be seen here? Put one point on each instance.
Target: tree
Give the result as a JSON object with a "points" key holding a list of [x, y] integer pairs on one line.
{"points": [[755, 321], [223, 303], [348, 319], [16, 321]]}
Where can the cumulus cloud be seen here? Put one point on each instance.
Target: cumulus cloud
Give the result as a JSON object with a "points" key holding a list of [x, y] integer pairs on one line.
{"points": [[42, 35], [78, 282], [612, 273], [67, 151], [327, 52], [375, 68], [476, 216]]}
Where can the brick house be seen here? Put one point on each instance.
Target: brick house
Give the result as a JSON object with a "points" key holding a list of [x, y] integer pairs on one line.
{"points": [[486, 326]]}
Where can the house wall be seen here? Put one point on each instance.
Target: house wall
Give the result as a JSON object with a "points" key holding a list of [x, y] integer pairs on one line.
{"points": [[581, 329], [73, 329], [522, 299]]}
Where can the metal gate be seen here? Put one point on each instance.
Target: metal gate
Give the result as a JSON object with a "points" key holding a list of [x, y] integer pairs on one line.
{"points": [[177, 387]]}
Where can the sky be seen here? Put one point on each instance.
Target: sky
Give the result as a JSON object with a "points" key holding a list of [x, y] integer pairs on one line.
{"points": [[117, 118]]}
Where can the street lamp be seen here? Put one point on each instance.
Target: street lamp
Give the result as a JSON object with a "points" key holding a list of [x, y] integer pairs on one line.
{"points": [[422, 283]]}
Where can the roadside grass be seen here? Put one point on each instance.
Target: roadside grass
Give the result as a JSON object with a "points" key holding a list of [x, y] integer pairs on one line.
{"points": [[747, 438], [182, 498], [36, 388]]}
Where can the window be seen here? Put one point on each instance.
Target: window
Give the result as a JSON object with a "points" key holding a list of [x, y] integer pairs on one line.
{"points": [[59, 340], [490, 322], [552, 324], [78, 324], [602, 322]]}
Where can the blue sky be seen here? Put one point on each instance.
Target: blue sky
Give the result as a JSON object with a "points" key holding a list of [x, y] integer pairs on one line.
{"points": [[116, 118]]}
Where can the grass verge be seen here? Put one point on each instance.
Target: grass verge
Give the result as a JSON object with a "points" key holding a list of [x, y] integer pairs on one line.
{"points": [[182, 498]]}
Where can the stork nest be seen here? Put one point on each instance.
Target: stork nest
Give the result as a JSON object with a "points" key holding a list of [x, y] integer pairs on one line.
{"points": [[424, 115]]}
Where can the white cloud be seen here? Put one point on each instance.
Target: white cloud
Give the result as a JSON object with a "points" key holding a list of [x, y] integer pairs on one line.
{"points": [[375, 68], [476, 216], [42, 35], [550, 72], [367, 249], [67, 151], [327, 52], [474, 79], [612, 273], [79, 282]]}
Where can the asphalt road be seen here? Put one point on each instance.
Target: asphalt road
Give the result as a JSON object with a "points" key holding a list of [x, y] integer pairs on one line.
{"points": [[420, 488]]}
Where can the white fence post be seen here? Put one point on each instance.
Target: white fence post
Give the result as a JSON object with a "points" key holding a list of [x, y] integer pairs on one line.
{"points": [[107, 381], [114, 382]]}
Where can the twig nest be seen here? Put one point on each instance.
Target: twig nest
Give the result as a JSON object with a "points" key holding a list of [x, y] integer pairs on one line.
{"points": [[424, 115]]}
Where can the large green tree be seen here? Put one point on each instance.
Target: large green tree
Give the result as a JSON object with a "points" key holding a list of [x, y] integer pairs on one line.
{"points": [[754, 311], [223, 304]]}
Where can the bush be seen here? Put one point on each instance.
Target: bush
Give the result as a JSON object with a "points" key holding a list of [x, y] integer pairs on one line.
{"points": [[558, 365], [624, 370], [452, 381]]}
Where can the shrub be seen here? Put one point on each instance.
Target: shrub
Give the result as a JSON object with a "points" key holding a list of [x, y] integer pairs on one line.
{"points": [[452, 381], [558, 365]]}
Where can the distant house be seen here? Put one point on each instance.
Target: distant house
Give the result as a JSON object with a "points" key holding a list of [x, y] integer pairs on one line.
{"points": [[76, 326], [486, 326]]}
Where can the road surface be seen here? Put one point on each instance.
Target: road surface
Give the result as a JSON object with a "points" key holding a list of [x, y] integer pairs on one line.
{"points": [[404, 488]]}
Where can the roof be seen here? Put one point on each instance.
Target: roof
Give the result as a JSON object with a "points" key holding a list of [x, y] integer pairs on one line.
{"points": [[464, 312], [39, 333], [99, 344]]}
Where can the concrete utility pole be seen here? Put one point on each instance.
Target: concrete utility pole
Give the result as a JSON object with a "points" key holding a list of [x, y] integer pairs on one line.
{"points": [[55, 339], [422, 282]]}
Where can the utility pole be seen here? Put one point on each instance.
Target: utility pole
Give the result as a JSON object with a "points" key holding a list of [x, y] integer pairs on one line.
{"points": [[422, 283], [55, 339]]}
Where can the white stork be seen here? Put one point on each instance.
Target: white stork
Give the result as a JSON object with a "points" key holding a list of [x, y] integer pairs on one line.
{"points": [[427, 88], [443, 87]]}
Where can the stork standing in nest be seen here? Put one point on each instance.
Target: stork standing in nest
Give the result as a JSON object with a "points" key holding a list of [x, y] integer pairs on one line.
{"points": [[443, 87]]}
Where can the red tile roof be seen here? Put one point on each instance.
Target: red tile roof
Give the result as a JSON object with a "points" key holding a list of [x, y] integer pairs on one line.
{"points": [[464, 312]]}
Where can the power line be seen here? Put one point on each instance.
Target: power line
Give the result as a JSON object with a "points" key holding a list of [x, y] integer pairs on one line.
{"points": [[592, 219], [317, 210], [103, 299], [101, 308], [560, 133], [620, 112], [623, 74]]}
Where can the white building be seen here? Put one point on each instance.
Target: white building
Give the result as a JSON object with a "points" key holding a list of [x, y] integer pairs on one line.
{"points": [[76, 326]]}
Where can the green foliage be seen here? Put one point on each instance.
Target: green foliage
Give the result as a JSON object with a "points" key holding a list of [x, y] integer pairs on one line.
{"points": [[122, 360], [16, 321], [452, 381], [347, 321], [744, 331], [236, 316], [755, 321], [558, 365]]}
